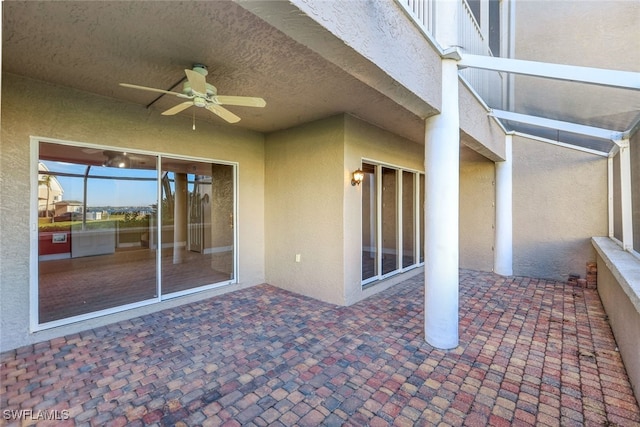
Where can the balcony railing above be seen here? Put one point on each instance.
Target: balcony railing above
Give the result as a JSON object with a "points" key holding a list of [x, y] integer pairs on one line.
{"points": [[488, 85]]}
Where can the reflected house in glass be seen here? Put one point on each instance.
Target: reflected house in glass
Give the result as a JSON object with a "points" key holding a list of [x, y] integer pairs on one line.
{"points": [[49, 191]]}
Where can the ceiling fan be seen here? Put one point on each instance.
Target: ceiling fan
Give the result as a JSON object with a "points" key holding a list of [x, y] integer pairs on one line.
{"points": [[202, 94]]}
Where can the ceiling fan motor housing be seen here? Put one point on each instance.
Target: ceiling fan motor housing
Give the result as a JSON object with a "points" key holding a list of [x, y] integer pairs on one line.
{"points": [[211, 89], [201, 69]]}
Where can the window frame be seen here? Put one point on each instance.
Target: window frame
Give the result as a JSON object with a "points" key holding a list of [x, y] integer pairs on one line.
{"points": [[417, 232], [34, 323]]}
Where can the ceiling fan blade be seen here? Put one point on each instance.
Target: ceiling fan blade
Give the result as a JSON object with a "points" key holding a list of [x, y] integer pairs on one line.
{"points": [[175, 110], [243, 101], [223, 113], [151, 89], [197, 81]]}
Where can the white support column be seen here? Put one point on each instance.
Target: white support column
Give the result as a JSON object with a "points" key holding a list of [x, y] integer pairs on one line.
{"points": [[625, 195], [503, 249], [610, 195], [442, 177]]}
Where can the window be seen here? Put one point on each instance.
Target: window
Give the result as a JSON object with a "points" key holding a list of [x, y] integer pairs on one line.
{"points": [[392, 222], [119, 229]]}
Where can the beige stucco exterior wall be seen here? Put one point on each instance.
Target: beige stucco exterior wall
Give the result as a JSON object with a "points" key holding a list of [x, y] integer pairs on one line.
{"points": [[477, 211], [304, 187], [32, 108], [479, 132], [594, 34], [313, 210], [366, 142], [634, 153], [618, 279], [392, 55], [559, 203]]}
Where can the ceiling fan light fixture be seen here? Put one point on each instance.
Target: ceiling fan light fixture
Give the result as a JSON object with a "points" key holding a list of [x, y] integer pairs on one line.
{"points": [[115, 159], [200, 94]]}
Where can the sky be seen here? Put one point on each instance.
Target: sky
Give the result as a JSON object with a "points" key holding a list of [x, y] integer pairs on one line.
{"points": [[107, 192]]}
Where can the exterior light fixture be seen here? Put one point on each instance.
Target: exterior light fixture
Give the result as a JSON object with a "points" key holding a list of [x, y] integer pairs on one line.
{"points": [[357, 177]]}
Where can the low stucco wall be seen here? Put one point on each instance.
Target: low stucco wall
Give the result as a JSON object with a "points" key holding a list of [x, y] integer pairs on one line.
{"points": [[619, 290], [33, 108]]}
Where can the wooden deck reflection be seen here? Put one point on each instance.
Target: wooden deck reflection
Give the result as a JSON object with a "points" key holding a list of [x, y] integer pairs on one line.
{"points": [[76, 286]]}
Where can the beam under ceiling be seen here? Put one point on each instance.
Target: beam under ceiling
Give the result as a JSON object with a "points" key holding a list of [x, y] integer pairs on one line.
{"points": [[559, 125], [598, 76]]}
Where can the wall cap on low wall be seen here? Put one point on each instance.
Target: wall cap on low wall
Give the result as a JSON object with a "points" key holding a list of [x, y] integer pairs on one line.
{"points": [[624, 267]]}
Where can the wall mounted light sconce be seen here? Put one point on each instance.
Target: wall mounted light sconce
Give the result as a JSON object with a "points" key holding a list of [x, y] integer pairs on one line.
{"points": [[357, 177]]}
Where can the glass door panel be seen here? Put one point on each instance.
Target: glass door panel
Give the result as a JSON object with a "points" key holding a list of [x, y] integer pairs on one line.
{"points": [[408, 221], [389, 220], [421, 197], [197, 224], [369, 222], [97, 211]]}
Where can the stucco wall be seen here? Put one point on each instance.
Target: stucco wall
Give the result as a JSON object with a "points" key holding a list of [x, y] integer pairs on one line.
{"points": [[32, 108], [477, 211], [559, 203], [304, 187], [479, 131], [364, 141], [393, 55], [634, 152], [619, 291]]}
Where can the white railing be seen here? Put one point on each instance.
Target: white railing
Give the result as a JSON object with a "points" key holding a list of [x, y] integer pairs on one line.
{"points": [[470, 36], [421, 11], [487, 84]]}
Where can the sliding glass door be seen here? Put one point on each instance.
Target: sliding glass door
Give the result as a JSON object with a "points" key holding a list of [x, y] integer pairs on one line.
{"points": [[118, 229], [389, 221], [392, 224], [197, 224], [369, 222]]}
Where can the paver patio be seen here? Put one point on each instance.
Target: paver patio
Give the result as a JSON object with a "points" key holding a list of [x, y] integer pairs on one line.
{"points": [[532, 352]]}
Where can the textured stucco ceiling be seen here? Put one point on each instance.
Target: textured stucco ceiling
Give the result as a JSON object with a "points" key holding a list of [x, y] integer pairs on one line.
{"points": [[93, 46]]}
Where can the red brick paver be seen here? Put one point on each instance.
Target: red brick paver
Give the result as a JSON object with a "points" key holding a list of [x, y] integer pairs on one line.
{"points": [[532, 352]]}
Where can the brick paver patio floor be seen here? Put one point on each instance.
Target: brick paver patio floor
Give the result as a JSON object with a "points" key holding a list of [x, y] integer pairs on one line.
{"points": [[532, 352]]}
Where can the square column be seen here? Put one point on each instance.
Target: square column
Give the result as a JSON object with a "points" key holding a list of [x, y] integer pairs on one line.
{"points": [[442, 190]]}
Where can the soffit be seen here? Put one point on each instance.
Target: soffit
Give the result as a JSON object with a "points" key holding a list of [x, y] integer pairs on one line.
{"points": [[94, 46]]}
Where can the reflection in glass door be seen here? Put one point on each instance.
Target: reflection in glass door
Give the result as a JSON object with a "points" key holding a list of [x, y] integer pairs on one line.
{"points": [[389, 220], [96, 219], [197, 224], [369, 222], [408, 221], [103, 235], [421, 197]]}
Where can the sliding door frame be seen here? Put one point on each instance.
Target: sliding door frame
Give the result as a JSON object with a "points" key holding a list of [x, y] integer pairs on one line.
{"points": [[34, 323]]}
